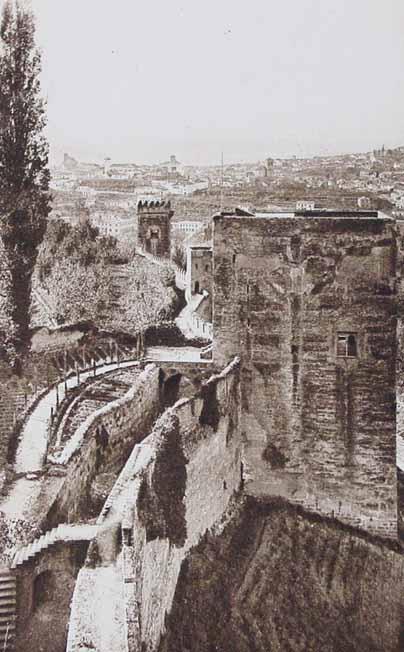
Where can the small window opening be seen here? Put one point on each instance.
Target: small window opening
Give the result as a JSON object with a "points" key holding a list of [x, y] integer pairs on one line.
{"points": [[234, 258], [206, 268], [347, 345]]}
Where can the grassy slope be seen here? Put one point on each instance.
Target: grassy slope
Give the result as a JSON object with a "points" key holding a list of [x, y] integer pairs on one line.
{"points": [[277, 580]]}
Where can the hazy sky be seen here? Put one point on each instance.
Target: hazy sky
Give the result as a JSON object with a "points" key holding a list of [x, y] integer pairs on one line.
{"points": [[137, 81]]}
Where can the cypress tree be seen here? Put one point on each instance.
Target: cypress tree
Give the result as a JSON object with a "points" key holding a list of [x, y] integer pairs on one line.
{"points": [[24, 173]]}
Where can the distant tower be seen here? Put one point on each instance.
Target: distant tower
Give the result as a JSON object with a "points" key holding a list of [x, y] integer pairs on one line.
{"points": [[154, 227], [269, 164], [173, 164], [107, 167]]}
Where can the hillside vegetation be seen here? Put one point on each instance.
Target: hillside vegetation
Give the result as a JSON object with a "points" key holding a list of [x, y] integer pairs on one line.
{"points": [[81, 276]]}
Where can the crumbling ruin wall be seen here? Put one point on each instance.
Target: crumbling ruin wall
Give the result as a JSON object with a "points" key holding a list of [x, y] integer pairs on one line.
{"points": [[103, 444], [183, 492], [180, 482], [319, 427]]}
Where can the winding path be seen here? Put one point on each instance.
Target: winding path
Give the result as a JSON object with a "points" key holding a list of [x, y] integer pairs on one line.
{"points": [[31, 451]]}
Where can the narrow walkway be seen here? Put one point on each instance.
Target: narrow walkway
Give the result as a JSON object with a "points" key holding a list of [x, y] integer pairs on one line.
{"points": [[34, 436], [22, 498], [184, 319], [174, 354]]}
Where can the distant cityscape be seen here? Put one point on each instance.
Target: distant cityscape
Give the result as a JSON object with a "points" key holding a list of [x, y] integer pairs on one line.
{"points": [[109, 193]]}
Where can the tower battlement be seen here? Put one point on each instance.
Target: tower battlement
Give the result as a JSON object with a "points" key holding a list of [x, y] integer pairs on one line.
{"points": [[155, 206], [154, 227]]}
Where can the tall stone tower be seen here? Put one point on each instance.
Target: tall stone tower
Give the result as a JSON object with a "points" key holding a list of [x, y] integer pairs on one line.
{"points": [[154, 227]]}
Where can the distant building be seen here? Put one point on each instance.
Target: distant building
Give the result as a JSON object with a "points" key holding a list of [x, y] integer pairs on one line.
{"points": [[269, 165], [154, 227], [364, 202], [69, 163], [304, 205], [199, 273], [187, 227], [171, 167]]}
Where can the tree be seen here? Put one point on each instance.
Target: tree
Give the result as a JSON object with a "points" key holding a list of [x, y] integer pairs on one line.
{"points": [[24, 173]]}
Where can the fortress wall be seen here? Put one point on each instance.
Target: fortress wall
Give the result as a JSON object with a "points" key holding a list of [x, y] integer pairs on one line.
{"points": [[183, 491], [319, 428], [181, 479], [103, 444]]}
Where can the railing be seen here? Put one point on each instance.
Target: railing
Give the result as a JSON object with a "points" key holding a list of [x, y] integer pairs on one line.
{"points": [[201, 328]]}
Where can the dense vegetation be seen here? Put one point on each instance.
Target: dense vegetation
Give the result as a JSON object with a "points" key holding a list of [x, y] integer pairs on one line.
{"points": [[81, 245], [72, 270], [82, 276], [24, 174]]}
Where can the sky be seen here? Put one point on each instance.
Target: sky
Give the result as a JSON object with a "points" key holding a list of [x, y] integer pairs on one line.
{"points": [[138, 81]]}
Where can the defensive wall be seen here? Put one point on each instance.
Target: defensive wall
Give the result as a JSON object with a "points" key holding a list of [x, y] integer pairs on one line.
{"points": [[309, 305], [102, 444], [177, 484]]}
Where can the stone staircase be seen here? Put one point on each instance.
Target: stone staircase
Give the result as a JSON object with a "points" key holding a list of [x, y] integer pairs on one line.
{"points": [[7, 609], [60, 534]]}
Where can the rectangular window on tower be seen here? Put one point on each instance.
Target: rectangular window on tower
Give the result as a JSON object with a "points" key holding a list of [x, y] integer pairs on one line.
{"points": [[347, 346]]}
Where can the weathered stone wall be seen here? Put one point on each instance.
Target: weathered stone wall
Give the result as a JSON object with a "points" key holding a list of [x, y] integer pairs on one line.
{"points": [[103, 444], [183, 491], [44, 606], [176, 485], [319, 428], [154, 227], [199, 273], [278, 578]]}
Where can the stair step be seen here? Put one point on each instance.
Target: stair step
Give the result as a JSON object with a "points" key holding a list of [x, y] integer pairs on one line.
{"points": [[8, 611], [7, 585], [4, 619], [5, 571], [9, 603], [8, 592], [3, 628]]}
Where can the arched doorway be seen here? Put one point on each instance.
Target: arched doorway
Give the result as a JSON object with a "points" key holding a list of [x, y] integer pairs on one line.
{"points": [[196, 287], [43, 589]]}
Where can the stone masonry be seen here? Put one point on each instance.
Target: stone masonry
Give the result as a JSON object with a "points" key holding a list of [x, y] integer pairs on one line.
{"points": [[154, 227], [309, 304]]}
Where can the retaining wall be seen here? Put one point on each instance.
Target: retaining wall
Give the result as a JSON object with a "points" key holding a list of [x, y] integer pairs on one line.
{"points": [[103, 444], [179, 482]]}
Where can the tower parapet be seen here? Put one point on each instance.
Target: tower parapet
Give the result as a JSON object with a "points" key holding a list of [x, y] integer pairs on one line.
{"points": [[154, 227]]}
